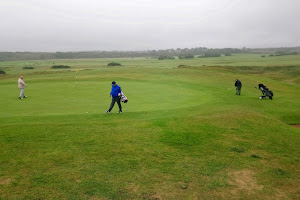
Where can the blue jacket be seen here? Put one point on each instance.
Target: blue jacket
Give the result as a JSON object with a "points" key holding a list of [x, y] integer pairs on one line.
{"points": [[115, 91]]}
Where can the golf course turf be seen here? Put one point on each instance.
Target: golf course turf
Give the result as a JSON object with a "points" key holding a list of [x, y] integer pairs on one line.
{"points": [[184, 134]]}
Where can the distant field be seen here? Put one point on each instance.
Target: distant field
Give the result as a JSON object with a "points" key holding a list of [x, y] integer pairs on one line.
{"points": [[234, 60], [183, 135]]}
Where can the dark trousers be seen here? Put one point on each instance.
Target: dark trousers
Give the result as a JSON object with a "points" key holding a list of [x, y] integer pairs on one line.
{"points": [[113, 101], [238, 90]]}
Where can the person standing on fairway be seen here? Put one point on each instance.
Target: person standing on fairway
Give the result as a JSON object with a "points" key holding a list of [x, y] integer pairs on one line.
{"points": [[238, 86], [116, 97], [21, 85]]}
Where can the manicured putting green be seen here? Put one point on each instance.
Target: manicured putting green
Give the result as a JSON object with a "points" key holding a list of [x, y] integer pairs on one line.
{"points": [[65, 97]]}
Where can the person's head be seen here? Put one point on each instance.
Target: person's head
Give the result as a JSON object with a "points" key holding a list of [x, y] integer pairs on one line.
{"points": [[21, 77], [114, 83], [236, 79]]}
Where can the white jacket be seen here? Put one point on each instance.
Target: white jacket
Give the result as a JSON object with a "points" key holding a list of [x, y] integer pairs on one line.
{"points": [[21, 83]]}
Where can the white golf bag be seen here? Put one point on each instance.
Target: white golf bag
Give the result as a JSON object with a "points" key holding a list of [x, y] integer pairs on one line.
{"points": [[123, 98]]}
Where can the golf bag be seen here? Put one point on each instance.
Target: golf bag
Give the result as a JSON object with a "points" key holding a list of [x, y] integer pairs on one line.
{"points": [[123, 98], [265, 92]]}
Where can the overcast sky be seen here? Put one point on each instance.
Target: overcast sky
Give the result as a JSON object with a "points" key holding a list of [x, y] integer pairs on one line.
{"points": [[82, 25]]}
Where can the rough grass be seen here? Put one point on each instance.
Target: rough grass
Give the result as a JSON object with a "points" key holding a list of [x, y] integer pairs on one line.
{"points": [[183, 134]]}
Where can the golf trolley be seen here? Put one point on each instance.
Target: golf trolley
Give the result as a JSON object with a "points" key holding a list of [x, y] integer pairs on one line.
{"points": [[265, 92]]}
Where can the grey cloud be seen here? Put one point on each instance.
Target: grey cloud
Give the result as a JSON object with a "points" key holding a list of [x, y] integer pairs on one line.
{"points": [[68, 25]]}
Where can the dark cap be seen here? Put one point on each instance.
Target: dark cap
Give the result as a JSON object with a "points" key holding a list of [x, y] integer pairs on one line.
{"points": [[114, 82]]}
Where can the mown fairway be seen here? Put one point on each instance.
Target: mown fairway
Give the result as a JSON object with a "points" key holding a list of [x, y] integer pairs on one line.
{"points": [[183, 134]]}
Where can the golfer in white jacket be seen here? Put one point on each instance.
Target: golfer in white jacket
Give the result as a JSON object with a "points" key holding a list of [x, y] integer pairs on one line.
{"points": [[21, 85]]}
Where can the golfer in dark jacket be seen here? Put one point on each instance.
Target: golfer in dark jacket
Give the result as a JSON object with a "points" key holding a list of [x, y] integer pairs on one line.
{"points": [[238, 86], [116, 97]]}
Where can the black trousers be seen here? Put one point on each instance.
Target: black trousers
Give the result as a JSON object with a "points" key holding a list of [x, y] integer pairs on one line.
{"points": [[113, 101]]}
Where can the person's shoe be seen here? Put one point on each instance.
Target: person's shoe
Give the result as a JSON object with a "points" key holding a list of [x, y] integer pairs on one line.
{"points": [[25, 96], [20, 98], [119, 112], [107, 112]]}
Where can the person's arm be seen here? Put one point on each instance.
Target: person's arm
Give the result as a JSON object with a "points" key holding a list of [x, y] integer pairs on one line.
{"points": [[110, 92], [120, 92], [23, 83]]}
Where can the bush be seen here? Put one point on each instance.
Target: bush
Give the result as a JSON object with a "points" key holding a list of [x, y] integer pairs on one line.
{"points": [[162, 57], [114, 64], [183, 66], [228, 54], [2, 72], [185, 56], [212, 53], [285, 53], [28, 67], [263, 56], [60, 66]]}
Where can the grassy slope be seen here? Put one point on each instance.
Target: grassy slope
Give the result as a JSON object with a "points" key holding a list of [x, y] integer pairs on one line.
{"points": [[191, 139]]}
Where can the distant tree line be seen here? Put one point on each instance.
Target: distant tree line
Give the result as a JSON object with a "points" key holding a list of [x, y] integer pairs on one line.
{"points": [[285, 53], [184, 53], [274, 51]]}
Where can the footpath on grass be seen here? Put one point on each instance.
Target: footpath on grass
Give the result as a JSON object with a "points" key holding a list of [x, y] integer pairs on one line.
{"points": [[296, 125]]}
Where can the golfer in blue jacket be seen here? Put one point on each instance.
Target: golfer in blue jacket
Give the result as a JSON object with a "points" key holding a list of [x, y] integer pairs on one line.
{"points": [[116, 96]]}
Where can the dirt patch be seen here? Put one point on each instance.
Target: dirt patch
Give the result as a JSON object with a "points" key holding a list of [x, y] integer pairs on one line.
{"points": [[154, 196], [97, 198], [296, 125], [5, 181], [133, 188], [243, 180]]}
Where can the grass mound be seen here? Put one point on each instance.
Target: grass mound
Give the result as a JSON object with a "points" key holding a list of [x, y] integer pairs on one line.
{"points": [[28, 67], [60, 66], [114, 64], [183, 66]]}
